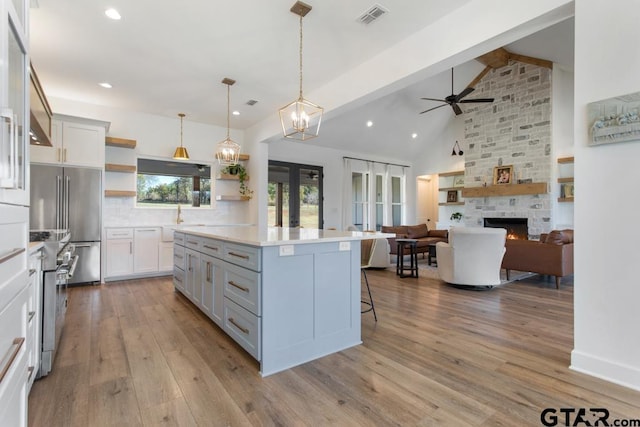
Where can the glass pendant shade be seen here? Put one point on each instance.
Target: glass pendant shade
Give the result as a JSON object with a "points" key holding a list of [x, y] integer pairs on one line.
{"points": [[228, 151], [181, 152], [301, 119]]}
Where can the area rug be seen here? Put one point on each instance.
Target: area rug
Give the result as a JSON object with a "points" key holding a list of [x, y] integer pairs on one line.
{"points": [[431, 272]]}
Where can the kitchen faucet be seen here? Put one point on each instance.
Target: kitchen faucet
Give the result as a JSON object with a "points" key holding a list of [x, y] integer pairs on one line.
{"points": [[178, 219]]}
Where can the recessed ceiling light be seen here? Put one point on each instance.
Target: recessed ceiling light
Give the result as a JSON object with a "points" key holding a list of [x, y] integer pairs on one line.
{"points": [[236, 113], [369, 123], [113, 14], [105, 85], [414, 135]]}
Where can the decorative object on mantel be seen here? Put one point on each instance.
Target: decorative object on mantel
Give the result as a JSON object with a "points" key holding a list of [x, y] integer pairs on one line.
{"points": [[228, 151], [503, 175], [241, 172], [615, 119], [459, 152], [181, 152], [301, 118]]}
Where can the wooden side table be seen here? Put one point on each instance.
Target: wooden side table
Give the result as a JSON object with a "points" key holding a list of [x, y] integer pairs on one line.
{"points": [[412, 267]]}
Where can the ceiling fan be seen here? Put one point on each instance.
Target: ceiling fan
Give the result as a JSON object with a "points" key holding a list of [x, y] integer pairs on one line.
{"points": [[454, 100]]}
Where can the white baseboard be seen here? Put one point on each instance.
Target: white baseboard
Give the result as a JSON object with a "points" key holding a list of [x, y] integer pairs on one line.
{"points": [[608, 370]]}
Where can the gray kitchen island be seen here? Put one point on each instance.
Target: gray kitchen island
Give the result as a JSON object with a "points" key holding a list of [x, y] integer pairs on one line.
{"points": [[286, 295]]}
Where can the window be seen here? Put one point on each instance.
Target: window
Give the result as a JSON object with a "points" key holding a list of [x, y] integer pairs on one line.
{"points": [[166, 183], [379, 202], [360, 190], [396, 200]]}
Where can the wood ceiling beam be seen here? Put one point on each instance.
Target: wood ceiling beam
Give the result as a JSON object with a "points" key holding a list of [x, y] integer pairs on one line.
{"points": [[479, 77], [501, 57], [531, 60]]}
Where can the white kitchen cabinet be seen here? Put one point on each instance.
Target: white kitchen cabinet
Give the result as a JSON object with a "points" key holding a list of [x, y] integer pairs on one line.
{"points": [[14, 103], [165, 260], [34, 314], [211, 271], [146, 243], [119, 254], [75, 141], [192, 283]]}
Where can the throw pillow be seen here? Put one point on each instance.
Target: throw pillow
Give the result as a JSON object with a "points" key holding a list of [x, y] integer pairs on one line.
{"points": [[556, 237], [417, 231]]}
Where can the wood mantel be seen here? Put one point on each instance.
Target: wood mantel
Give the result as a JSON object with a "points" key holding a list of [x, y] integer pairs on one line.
{"points": [[505, 190]]}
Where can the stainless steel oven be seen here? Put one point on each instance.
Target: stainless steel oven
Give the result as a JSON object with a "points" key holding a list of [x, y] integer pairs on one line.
{"points": [[59, 264]]}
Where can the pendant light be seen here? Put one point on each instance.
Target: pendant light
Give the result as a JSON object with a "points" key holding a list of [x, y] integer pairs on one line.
{"points": [[301, 119], [453, 152], [228, 151], [181, 152]]}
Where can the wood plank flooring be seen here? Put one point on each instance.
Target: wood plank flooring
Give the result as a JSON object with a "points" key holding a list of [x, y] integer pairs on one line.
{"points": [[136, 353]]}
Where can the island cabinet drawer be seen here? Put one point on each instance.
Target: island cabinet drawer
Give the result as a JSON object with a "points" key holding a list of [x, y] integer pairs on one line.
{"points": [[178, 278], [178, 238], [243, 287], [242, 255], [178, 256], [244, 327], [119, 233], [212, 247], [192, 242]]}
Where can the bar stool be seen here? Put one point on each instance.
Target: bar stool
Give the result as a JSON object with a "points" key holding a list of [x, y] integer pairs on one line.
{"points": [[411, 246]]}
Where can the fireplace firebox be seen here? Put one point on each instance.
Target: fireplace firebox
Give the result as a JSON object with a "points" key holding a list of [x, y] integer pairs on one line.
{"points": [[517, 228]]}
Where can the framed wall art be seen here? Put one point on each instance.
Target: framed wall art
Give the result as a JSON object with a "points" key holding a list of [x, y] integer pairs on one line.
{"points": [[452, 196], [614, 119], [503, 175]]}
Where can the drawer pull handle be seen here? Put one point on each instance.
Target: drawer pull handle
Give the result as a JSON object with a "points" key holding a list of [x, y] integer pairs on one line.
{"points": [[11, 254], [211, 247], [239, 255], [177, 280], [191, 242], [32, 271], [234, 323], [242, 288], [8, 359], [31, 314], [179, 256], [30, 369]]}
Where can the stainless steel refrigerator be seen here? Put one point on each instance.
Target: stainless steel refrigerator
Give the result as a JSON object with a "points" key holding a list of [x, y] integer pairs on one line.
{"points": [[70, 198]]}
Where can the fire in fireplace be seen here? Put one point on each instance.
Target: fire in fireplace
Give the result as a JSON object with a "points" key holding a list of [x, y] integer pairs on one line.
{"points": [[517, 228]]}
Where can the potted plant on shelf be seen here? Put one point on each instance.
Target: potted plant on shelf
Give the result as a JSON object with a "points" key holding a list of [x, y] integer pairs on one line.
{"points": [[456, 216], [238, 169]]}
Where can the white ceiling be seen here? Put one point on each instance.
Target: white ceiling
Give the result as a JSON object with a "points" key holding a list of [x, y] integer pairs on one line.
{"points": [[169, 57]]}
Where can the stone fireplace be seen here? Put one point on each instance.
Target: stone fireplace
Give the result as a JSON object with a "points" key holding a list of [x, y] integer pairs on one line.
{"points": [[517, 228]]}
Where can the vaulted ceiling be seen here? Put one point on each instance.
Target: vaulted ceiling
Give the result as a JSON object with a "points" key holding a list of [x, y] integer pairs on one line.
{"points": [[169, 57]]}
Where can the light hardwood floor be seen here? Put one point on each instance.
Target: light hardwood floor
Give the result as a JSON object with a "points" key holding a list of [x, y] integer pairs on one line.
{"points": [[137, 353]]}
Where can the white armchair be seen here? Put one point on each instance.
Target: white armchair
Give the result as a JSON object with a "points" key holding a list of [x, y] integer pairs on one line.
{"points": [[472, 257], [380, 257]]}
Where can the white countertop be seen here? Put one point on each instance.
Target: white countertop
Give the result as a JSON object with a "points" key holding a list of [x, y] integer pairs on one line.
{"points": [[276, 236]]}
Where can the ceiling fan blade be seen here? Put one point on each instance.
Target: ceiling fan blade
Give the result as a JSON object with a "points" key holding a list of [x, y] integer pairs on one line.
{"points": [[434, 99], [477, 100], [430, 109], [456, 109], [464, 93]]}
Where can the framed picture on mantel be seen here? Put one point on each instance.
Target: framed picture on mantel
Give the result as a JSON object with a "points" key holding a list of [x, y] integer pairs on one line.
{"points": [[503, 175]]}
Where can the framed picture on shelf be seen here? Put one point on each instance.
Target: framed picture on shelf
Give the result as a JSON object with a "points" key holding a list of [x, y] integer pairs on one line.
{"points": [[452, 196], [566, 190], [458, 181], [503, 175]]}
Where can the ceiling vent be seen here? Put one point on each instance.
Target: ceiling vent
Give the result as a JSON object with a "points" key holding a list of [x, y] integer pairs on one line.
{"points": [[252, 102], [372, 14]]}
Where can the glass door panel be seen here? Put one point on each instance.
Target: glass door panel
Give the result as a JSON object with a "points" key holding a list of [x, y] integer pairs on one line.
{"points": [[295, 195], [309, 198]]}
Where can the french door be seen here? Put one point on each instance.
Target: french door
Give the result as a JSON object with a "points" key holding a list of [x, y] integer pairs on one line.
{"points": [[295, 195]]}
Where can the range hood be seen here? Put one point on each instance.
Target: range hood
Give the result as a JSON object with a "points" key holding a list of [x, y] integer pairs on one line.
{"points": [[40, 132]]}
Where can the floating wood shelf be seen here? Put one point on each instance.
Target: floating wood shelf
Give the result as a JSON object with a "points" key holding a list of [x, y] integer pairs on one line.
{"points": [[565, 159], [454, 173], [112, 167], [450, 189], [119, 193], [567, 179], [120, 142], [505, 190], [565, 199], [229, 177], [242, 157], [451, 204], [232, 198]]}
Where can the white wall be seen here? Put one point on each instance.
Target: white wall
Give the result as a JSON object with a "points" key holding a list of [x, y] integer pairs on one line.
{"points": [[157, 137], [606, 292]]}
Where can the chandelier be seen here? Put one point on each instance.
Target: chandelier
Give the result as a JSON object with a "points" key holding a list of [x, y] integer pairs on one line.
{"points": [[228, 151], [301, 119], [181, 152]]}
